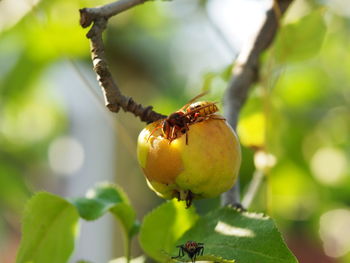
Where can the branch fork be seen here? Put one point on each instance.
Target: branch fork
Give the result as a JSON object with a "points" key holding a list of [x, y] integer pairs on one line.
{"points": [[114, 99]]}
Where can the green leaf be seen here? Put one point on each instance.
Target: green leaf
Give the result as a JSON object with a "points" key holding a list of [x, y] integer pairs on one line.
{"points": [[240, 236], [108, 198], [49, 230], [163, 226], [302, 39]]}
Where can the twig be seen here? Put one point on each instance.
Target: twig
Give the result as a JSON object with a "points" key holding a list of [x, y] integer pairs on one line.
{"points": [[114, 99], [245, 74]]}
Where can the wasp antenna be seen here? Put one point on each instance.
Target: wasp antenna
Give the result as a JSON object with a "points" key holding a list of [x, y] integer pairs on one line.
{"points": [[199, 95]]}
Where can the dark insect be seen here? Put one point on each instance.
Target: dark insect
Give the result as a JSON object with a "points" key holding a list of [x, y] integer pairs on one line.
{"points": [[192, 249], [178, 122]]}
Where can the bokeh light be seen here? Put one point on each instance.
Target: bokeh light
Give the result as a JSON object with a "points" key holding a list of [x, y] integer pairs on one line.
{"points": [[335, 232], [329, 165], [66, 155]]}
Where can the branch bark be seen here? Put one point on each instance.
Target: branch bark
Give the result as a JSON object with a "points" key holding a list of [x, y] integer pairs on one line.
{"points": [[114, 99], [245, 74]]}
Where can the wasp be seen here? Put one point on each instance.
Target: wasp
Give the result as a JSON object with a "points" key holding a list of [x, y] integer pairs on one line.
{"points": [[192, 249], [202, 110], [178, 122]]}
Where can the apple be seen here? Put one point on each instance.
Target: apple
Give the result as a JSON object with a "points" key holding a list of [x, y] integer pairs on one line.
{"points": [[205, 167]]}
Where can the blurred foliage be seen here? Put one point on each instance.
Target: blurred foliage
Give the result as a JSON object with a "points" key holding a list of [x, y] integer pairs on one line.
{"points": [[299, 111], [302, 39], [51, 225], [49, 230], [305, 102]]}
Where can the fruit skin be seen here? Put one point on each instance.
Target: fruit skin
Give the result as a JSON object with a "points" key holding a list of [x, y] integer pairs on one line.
{"points": [[207, 166]]}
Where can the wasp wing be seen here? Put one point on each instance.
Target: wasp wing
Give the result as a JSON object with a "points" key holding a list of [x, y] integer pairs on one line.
{"points": [[192, 100], [199, 108]]}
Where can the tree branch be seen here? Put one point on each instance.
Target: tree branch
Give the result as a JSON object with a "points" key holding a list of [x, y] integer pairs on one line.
{"points": [[246, 73], [114, 99]]}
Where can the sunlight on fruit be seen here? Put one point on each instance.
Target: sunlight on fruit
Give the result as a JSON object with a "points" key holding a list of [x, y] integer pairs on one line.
{"points": [[335, 232], [329, 166], [251, 130], [206, 167], [66, 155]]}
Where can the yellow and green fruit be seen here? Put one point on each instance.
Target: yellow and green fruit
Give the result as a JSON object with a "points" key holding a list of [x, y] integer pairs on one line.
{"points": [[206, 167]]}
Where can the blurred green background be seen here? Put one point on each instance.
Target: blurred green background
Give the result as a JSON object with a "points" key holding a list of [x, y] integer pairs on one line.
{"points": [[56, 135]]}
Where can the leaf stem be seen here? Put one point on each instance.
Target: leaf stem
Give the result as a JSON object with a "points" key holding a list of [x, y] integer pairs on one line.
{"points": [[127, 244], [253, 188], [127, 247]]}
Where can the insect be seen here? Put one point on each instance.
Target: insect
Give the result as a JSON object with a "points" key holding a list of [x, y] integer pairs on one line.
{"points": [[178, 122], [202, 110], [192, 249]]}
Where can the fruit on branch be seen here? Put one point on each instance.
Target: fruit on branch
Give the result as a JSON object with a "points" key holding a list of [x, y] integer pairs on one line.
{"points": [[203, 168]]}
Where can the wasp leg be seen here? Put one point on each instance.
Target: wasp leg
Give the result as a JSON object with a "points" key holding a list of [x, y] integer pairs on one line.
{"points": [[156, 128], [199, 119], [217, 118], [181, 252], [186, 134], [189, 199], [177, 193], [172, 134], [187, 129], [201, 251]]}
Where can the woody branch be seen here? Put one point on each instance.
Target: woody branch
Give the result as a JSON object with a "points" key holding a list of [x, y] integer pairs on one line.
{"points": [[246, 73], [114, 99]]}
